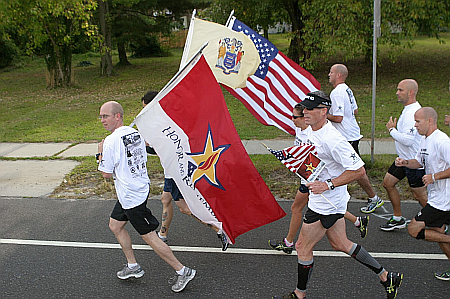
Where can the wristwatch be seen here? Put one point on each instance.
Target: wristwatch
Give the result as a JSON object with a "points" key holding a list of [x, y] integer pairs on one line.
{"points": [[97, 156], [330, 184]]}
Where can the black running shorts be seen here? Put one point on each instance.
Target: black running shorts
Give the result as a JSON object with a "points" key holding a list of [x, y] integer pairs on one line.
{"points": [[326, 220], [432, 216], [355, 145], [140, 217], [414, 176]]}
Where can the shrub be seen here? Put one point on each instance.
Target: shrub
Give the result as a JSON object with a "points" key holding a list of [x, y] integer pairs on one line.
{"points": [[8, 53]]}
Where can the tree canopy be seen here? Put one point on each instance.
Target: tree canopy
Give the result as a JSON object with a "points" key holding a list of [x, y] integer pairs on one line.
{"points": [[52, 28], [321, 28]]}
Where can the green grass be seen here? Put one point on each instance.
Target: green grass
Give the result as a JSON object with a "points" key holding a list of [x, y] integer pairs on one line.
{"points": [[86, 182], [32, 113]]}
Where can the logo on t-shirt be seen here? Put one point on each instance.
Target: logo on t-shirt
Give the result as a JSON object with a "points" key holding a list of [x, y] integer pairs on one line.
{"points": [[134, 154], [355, 158]]}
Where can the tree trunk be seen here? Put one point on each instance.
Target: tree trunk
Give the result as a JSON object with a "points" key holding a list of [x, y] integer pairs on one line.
{"points": [[266, 32], [296, 52], [123, 60], [106, 66], [59, 59]]}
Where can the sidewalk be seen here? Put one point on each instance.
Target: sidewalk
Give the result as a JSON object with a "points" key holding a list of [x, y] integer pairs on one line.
{"points": [[37, 178]]}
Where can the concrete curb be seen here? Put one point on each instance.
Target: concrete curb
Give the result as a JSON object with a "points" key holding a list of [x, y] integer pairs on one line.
{"points": [[37, 178]]}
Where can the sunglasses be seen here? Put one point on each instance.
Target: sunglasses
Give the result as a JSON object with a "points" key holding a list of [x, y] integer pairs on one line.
{"points": [[297, 116]]}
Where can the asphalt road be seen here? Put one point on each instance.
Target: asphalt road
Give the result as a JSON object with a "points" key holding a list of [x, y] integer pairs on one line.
{"points": [[63, 249]]}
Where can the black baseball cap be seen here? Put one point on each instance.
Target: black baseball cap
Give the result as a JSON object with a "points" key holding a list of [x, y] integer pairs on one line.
{"points": [[314, 99]]}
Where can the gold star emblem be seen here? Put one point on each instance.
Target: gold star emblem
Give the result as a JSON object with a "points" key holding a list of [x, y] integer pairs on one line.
{"points": [[310, 167], [207, 161]]}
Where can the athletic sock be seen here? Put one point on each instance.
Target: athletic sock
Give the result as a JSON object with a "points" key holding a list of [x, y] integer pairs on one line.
{"points": [[375, 198], [361, 255], [288, 243], [181, 272], [132, 266], [304, 273], [357, 222], [397, 218]]}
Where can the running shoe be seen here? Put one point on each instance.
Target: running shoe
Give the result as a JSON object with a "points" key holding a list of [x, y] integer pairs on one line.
{"points": [[291, 295], [163, 238], [372, 205], [126, 272], [393, 224], [223, 238], [363, 225], [445, 275], [391, 285], [180, 281], [281, 246]]}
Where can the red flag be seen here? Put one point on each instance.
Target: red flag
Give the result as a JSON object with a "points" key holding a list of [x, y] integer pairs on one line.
{"points": [[190, 128], [276, 87]]}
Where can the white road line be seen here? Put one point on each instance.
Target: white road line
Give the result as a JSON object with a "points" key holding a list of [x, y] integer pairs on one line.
{"points": [[393, 255]]}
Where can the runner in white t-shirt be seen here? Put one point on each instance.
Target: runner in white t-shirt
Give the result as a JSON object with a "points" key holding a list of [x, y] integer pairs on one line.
{"points": [[407, 142], [328, 199], [302, 132], [122, 156], [342, 115], [434, 155], [301, 198]]}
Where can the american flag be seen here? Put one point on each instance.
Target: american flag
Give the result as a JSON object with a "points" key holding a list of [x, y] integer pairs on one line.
{"points": [[276, 87], [293, 157]]}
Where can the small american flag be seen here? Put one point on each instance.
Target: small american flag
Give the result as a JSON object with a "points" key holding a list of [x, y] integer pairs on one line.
{"points": [[293, 157]]}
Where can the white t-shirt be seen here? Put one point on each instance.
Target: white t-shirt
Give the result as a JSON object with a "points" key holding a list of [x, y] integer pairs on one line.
{"points": [[301, 136], [434, 156], [343, 104], [339, 156], [407, 140], [124, 156]]}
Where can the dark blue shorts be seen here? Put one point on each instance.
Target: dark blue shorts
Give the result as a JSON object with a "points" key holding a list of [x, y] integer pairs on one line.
{"points": [[432, 216], [326, 220], [170, 186], [414, 176], [140, 217]]}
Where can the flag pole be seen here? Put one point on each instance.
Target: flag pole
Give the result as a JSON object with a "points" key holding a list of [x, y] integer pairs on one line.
{"points": [[176, 75], [302, 178], [182, 69], [229, 18], [187, 43]]}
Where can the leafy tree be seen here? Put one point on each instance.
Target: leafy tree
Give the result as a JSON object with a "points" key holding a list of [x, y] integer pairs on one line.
{"points": [[134, 21], [51, 28], [321, 28], [347, 26], [254, 13]]}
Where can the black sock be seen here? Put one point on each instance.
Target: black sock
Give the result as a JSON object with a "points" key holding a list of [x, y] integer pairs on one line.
{"points": [[304, 273]]}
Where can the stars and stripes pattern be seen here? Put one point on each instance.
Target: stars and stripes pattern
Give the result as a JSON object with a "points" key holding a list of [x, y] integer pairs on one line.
{"points": [[293, 157], [276, 87]]}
